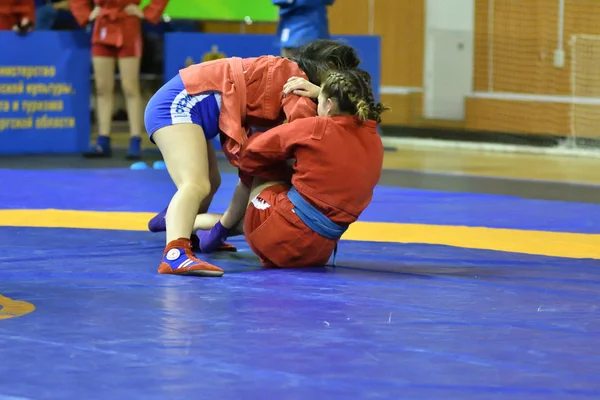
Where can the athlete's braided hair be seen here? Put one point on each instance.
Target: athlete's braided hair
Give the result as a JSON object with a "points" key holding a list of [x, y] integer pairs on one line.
{"points": [[352, 90]]}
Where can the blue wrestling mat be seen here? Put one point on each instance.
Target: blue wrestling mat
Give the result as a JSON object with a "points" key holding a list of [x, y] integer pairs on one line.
{"points": [[437, 295]]}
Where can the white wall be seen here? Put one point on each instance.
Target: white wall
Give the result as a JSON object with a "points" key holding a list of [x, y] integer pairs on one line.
{"points": [[456, 15], [449, 52]]}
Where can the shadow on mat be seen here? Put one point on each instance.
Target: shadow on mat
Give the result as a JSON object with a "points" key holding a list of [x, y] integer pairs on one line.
{"points": [[245, 261]]}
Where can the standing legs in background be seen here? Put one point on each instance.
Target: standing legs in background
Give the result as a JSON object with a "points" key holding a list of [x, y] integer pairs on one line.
{"points": [[104, 76], [104, 73], [129, 67]]}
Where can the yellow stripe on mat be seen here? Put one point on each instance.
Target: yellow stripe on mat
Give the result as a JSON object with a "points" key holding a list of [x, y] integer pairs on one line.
{"points": [[10, 308], [559, 244], [122, 221], [573, 245]]}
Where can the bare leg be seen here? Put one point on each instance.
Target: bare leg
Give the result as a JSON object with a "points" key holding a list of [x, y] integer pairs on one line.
{"points": [[258, 185], [104, 76], [183, 147], [237, 208], [205, 221], [129, 67], [232, 221], [232, 216], [214, 176]]}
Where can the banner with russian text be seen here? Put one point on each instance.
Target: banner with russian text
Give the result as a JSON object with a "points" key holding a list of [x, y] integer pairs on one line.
{"points": [[44, 92]]}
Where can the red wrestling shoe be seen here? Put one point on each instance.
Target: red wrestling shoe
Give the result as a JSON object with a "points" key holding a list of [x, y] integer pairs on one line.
{"points": [[227, 247], [178, 259]]}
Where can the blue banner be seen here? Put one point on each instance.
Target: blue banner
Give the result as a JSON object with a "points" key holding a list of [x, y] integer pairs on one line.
{"points": [[182, 49], [44, 92]]}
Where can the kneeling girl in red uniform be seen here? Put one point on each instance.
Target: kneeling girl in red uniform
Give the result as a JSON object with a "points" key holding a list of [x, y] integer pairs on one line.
{"points": [[338, 161]]}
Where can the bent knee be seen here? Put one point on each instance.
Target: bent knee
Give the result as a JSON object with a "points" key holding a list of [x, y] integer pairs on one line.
{"points": [[201, 190]]}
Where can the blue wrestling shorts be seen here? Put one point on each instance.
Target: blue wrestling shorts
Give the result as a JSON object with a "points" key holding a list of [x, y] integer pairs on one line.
{"points": [[172, 105]]}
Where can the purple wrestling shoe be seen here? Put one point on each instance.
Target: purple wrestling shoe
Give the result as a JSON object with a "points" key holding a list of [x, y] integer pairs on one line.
{"points": [[158, 222]]}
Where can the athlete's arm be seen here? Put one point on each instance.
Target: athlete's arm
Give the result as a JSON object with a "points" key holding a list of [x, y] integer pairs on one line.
{"points": [[153, 11], [237, 206], [267, 154], [296, 107], [301, 87], [82, 11]]}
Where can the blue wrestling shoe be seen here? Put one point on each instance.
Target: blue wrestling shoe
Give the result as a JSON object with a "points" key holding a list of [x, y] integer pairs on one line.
{"points": [[135, 148], [102, 148], [178, 259]]}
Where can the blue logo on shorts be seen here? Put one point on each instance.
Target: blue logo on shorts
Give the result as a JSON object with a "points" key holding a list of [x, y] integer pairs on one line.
{"points": [[181, 104]]}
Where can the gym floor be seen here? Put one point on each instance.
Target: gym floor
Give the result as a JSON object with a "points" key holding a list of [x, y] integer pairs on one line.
{"points": [[470, 276]]}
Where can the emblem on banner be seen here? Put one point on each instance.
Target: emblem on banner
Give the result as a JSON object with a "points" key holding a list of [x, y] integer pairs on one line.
{"points": [[213, 54]]}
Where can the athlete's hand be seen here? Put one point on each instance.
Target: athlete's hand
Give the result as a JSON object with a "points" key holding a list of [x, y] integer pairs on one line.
{"points": [[132, 9], [95, 13], [25, 26], [61, 5], [301, 87]]}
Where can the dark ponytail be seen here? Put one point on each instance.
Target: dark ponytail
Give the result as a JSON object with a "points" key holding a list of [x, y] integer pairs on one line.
{"points": [[318, 58]]}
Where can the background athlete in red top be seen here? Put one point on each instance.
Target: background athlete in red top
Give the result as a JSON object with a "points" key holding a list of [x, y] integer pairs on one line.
{"points": [[117, 39], [17, 15]]}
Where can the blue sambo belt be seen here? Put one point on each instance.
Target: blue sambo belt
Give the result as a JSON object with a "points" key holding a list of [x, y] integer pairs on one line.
{"points": [[315, 219]]}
